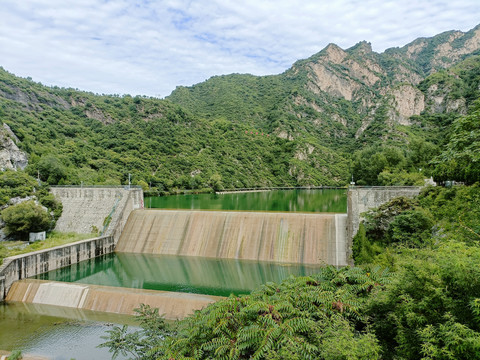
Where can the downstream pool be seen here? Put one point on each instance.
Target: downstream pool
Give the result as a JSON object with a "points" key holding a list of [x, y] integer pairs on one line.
{"points": [[220, 277], [324, 200], [56, 332], [64, 333]]}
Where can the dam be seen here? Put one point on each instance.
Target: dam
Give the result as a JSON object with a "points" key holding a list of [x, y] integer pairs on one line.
{"points": [[289, 236], [298, 238]]}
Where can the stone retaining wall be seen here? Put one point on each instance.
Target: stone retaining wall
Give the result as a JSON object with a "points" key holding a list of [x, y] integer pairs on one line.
{"points": [[85, 209], [31, 264]]}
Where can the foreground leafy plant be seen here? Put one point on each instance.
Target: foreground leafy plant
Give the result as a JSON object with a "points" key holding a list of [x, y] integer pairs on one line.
{"points": [[297, 319]]}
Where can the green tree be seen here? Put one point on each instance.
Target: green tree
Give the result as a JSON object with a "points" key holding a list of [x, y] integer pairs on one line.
{"points": [[431, 306], [411, 228], [51, 170], [25, 217], [317, 317], [15, 183], [216, 182], [460, 160]]}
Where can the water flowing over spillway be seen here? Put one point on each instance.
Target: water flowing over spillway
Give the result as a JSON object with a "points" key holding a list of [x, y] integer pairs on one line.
{"points": [[301, 238], [106, 298]]}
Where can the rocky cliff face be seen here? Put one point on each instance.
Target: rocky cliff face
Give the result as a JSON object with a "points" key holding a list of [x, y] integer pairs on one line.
{"points": [[32, 100], [443, 50], [378, 87], [11, 157]]}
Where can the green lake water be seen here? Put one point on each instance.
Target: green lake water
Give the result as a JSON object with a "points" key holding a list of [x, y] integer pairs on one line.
{"points": [[324, 200], [220, 277], [56, 332]]}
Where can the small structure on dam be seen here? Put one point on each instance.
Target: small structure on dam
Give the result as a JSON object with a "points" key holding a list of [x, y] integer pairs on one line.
{"points": [[302, 238]]}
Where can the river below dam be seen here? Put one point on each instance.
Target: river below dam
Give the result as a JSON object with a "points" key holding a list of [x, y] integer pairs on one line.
{"points": [[62, 333], [56, 333]]}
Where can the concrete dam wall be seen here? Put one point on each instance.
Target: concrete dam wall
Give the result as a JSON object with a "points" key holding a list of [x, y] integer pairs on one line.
{"points": [[106, 298], [86, 209], [282, 237]]}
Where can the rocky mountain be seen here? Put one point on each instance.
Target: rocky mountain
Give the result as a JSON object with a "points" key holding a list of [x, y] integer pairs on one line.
{"points": [[310, 125], [344, 92], [11, 157]]}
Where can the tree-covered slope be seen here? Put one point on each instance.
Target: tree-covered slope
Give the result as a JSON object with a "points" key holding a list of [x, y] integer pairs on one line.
{"points": [[355, 100], [72, 137], [314, 124]]}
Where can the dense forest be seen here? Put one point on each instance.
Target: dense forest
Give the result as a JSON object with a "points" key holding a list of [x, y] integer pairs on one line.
{"points": [[394, 118]]}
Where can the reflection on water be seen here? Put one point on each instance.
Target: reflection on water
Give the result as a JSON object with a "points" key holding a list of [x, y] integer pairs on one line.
{"points": [[59, 333], [46, 330], [219, 277], [326, 200]]}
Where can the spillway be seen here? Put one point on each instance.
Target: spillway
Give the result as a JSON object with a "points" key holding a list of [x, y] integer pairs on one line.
{"points": [[106, 298], [302, 238]]}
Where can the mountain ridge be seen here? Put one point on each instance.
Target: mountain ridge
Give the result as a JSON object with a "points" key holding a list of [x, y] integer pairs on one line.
{"points": [[317, 114]]}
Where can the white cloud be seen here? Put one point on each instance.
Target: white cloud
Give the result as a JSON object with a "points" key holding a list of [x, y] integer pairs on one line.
{"points": [[149, 47]]}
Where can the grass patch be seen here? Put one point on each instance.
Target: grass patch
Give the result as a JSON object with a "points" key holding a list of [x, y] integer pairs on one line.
{"points": [[54, 238]]}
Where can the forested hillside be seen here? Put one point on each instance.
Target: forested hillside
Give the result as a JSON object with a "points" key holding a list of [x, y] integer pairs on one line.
{"points": [[392, 109], [72, 137], [382, 118]]}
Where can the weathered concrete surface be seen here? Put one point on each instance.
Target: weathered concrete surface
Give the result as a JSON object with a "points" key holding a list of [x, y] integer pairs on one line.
{"points": [[31, 264], [86, 208], [361, 199], [106, 298], [265, 236]]}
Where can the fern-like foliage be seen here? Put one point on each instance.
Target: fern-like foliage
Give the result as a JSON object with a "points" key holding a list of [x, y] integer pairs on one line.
{"points": [[301, 318], [294, 319]]}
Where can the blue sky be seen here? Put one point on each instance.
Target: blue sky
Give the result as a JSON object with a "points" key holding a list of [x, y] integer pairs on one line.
{"points": [[149, 47]]}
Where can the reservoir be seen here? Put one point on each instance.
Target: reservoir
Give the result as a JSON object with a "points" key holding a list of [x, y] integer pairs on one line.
{"points": [[318, 201], [219, 277]]}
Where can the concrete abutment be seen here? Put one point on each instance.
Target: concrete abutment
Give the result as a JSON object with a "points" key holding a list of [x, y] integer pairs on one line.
{"points": [[361, 199]]}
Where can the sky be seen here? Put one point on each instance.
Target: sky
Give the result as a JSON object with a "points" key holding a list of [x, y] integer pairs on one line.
{"points": [[148, 47]]}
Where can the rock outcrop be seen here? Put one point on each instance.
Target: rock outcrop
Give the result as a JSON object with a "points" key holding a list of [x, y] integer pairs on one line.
{"points": [[11, 157]]}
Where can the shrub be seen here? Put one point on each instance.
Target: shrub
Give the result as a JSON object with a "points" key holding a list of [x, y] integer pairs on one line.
{"points": [[25, 217]]}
